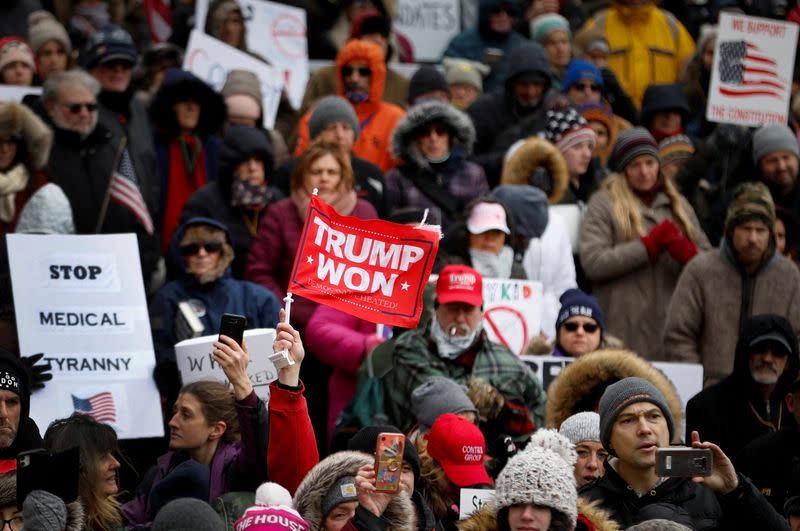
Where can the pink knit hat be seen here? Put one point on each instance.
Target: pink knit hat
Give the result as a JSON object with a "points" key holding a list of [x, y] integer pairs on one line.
{"points": [[274, 518]]}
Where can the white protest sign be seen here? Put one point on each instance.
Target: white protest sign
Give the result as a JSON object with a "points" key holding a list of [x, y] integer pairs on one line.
{"points": [[196, 362], [200, 14], [512, 311], [211, 60], [80, 301], [16, 93], [428, 25], [751, 78], [472, 500]]}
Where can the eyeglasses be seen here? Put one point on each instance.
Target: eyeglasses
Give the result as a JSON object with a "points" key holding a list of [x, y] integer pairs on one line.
{"points": [[192, 249], [594, 87], [15, 523], [75, 108], [589, 328], [363, 71], [439, 130]]}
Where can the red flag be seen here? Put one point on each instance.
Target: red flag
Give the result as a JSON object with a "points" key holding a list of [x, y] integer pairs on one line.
{"points": [[373, 269], [159, 19]]}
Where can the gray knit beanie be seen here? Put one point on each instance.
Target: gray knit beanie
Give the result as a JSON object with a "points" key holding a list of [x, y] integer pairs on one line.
{"points": [[187, 514], [583, 426], [437, 396], [622, 394], [43, 511], [331, 109], [343, 491], [630, 144], [542, 474], [242, 82], [771, 138], [658, 525], [48, 211]]}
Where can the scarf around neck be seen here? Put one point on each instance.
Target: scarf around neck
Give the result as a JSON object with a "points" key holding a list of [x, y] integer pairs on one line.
{"points": [[11, 182]]}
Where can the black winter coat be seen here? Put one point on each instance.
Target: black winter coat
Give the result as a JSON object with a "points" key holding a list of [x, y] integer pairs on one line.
{"points": [[772, 462]]}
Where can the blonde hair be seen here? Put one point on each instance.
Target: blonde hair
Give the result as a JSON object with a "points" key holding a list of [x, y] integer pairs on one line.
{"points": [[627, 212]]}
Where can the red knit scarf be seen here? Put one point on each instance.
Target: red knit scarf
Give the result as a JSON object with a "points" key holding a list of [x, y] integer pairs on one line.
{"points": [[187, 173]]}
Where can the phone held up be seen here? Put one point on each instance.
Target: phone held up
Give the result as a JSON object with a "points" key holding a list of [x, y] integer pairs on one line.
{"points": [[684, 462], [57, 474], [389, 462], [233, 326]]}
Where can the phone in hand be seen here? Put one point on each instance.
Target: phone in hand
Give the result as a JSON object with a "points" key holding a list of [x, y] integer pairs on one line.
{"points": [[55, 473], [233, 326], [389, 462], [684, 462]]}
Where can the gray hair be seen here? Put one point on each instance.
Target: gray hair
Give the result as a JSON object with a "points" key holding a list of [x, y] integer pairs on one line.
{"points": [[73, 77]]}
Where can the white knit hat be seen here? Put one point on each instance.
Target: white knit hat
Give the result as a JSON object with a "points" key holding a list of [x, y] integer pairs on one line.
{"points": [[542, 474], [583, 426]]}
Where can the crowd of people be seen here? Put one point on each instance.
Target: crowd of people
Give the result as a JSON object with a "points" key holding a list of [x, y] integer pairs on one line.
{"points": [[565, 143]]}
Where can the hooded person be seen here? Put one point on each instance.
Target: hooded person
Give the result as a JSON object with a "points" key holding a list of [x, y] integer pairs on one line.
{"points": [[241, 192], [20, 432], [360, 78], [514, 111], [331, 485], [187, 116], [665, 110], [432, 143], [749, 403]]}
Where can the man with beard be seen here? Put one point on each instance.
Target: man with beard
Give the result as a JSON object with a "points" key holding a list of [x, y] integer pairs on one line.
{"points": [[18, 432], [776, 154], [721, 288], [454, 345], [749, 402]]}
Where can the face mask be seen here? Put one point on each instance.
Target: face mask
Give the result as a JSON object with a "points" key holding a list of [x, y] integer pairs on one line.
{"points": [[244, 193], [451, 347], [491, 265], [356, 96]]}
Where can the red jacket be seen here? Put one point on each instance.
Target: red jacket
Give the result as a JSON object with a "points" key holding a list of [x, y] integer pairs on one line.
{"points": [[292, 448]]}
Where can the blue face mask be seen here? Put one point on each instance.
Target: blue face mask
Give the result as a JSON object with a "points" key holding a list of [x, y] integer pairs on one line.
{"points": [[356, 96]]}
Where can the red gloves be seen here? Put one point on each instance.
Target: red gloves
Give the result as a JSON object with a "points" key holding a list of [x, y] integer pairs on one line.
{"points": [[667, 236], [681, 249]]}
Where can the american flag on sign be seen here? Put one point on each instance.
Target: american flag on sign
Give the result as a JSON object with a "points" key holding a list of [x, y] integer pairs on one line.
{"points": [[125, 192], [100, 407], [159, 19], [744, 70]]}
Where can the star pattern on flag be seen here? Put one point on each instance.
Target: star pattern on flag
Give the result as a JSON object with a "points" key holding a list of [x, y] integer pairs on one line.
{"points": [[404, 286], [310, 260]]}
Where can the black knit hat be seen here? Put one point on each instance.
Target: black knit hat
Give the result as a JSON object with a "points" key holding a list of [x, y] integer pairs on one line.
{"points": [[630, 144], [426, 79], [367, 438], [664, 98]]}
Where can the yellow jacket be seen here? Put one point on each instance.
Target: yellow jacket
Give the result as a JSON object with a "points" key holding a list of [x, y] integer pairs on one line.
{"points": [[647, 45]]}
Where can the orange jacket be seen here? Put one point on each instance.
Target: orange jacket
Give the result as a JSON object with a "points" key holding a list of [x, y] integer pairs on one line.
{"points": [[377, 118]]}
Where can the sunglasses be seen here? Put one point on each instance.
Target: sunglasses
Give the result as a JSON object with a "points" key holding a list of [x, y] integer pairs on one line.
{"points": [[192, 249], [583, 86], [363, 71], [440, 130], [589, 328], [75, 108]]}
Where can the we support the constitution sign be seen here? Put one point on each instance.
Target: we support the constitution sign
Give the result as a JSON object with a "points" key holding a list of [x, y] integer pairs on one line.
{"points": [[374, 269]]}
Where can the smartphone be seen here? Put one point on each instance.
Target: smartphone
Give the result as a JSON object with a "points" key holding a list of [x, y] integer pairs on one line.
{"points": [[684, 462], [233, 326], [389, 462], [57, 474]]}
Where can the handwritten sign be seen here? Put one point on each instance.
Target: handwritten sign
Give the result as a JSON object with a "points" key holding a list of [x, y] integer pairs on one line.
{"points": [[512, 311], [429, 25], [472, 500]]}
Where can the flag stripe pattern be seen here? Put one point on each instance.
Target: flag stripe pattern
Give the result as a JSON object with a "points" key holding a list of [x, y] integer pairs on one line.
{"points": [[126, 193], [100, 406], [159, 19], [745, 71]]}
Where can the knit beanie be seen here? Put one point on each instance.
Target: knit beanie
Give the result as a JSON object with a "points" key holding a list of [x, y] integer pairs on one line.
{"points": [[14, 49], [622, 394], [269, 494], [43, 28], [578, 69], [751, 200], [273, 511], [342, 491], [189, 479], [43, 511], [437, 396], [567, 128], [542, 26], [675, 148], [576, 303], [771, 138], [187, 514], [367, 439], [580, 427], [426, 79], [595, 111], [659, 524], [48, 211], [331, 109], [528, 206], [465, 72], [630, 144], [242, 82], [541, 474]]}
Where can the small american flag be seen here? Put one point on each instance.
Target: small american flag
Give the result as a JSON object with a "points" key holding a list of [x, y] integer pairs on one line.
{"points": [[125, 192], [159, 19], [744, 70], [100, 406]]}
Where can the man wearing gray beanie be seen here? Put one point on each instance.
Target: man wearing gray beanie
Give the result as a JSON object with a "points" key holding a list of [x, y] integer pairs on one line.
{"points": [[776, 154], [635, 421]]}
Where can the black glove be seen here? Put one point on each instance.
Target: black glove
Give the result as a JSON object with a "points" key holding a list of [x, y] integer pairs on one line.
{"points": [[38, 374]]}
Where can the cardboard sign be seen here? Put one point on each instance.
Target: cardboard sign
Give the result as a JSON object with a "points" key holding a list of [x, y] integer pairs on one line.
{"points": [[80, 301], [373, 269], [472, 500], [16, 93], [751, 78], [196, 361], [211, 60], [512, 311], [428, 25]]}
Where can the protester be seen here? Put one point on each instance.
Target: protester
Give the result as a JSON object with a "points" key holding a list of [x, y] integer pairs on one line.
{"points": [[41, 510], [664, 110], [696, 79], [17, 64], [433, 142], [674, 151], [465, 78], [152, 68], [50, 44], [187, 513], [437, 396], [553, 33], [428, 84], [537, 162], [777, 157], [580, 325], [20, 433], [576, 141], [583, 431]]}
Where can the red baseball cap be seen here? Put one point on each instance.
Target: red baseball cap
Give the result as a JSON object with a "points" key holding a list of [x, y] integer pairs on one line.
{"points": [[459, 447], [459, 283]]}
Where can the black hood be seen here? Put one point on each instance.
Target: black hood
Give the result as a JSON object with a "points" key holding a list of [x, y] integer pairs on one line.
{"points": [[754, 327], [240, 143], [28, 436], [484, 8], [525, 59]]}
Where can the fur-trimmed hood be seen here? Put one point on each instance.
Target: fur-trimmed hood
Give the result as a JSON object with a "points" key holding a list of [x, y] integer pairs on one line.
{"points": [[581, 384], [404, 145], [19, 121], [532, 153], [308, 497], [599, 519]]}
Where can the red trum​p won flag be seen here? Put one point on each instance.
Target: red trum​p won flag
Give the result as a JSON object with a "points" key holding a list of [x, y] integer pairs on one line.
{"points": [[372, 269]]}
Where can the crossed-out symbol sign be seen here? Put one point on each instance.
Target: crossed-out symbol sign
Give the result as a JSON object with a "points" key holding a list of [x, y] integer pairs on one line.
{"points": [[505, 322]]}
